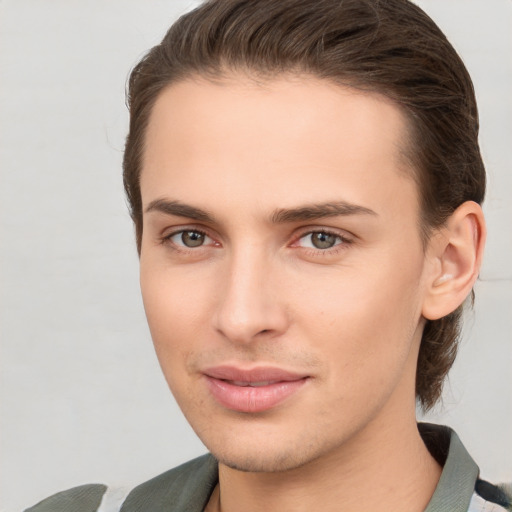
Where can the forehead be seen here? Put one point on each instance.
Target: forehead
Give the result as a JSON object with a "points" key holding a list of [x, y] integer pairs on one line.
{"points": [[244, 138]]}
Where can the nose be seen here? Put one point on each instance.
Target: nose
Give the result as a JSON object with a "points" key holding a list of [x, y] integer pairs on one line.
{"points": [[249, 305]]}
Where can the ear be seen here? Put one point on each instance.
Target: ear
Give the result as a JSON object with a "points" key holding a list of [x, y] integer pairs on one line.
{"points": [[455, 255]]}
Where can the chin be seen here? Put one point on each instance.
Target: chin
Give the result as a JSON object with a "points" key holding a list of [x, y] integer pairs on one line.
{"points": [[260, 463], [266, 457]]}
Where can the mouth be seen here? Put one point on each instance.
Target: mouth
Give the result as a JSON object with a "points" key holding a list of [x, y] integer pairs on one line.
{"points": [[252, 384], [254, 390]]}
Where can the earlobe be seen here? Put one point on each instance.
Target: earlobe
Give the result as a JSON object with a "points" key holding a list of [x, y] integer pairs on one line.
{"points": [[456, 255]]}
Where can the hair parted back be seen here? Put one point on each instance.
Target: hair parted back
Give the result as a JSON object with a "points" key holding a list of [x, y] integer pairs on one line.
{"points": [[386, 46]]}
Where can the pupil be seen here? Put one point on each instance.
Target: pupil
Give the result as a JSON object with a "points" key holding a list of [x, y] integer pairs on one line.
{"points": [[192, 238], [323, 240]]}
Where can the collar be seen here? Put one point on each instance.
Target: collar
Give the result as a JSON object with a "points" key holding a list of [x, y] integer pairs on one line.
{"points": [[187, 488], [460, 472]]}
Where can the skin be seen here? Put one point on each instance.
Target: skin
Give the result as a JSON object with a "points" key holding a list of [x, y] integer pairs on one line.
{"points": [[256, 292]]}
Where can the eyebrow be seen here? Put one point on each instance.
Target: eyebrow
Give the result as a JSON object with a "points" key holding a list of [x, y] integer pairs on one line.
{"points": [[280, 216], [179, 209], [319, 211]]}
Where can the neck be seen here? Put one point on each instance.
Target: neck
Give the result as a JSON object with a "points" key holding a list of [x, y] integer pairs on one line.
{"points": [[384, 467]]}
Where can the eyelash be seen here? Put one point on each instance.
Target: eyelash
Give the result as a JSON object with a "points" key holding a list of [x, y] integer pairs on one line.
{"points": [[167, 239], [344, 241]]}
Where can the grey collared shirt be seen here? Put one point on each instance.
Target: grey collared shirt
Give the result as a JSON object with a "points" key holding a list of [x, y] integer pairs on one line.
{"points": [[188, 487]]}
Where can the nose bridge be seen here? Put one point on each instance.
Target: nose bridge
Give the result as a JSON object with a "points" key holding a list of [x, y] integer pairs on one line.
{"points": [[248, 303]]}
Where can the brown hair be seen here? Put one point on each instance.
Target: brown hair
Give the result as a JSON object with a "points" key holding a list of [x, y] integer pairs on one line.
{"points": [[387, 46]]}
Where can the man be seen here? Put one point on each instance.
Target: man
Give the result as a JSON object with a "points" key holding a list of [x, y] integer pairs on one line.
{"points": [[305, 181]]}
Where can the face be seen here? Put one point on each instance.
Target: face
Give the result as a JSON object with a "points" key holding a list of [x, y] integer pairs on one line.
{"points": [[282, 268]]}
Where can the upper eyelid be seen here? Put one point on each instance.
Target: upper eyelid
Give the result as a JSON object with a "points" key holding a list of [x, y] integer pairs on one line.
{"points": [[171, 231], [342, 233], [166, 240], [165, 237], [344, 240]]}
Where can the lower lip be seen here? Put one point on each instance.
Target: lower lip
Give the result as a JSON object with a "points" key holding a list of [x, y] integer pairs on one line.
{"points": [[252, 399]]}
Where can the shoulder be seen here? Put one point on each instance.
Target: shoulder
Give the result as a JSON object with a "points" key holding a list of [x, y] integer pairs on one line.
{"points": [[83, 498], [460, 487], [491, 498], [186, 487]]}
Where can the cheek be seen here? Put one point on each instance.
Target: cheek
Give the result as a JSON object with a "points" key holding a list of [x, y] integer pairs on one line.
{"points": [[365, 324], [176, 302]]}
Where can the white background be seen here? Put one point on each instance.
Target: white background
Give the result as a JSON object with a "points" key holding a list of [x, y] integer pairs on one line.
{"points": [[82, 398]]}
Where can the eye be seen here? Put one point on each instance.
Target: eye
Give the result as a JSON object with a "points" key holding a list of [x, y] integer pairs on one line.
{"points": [[189, 238], [320, 240]]}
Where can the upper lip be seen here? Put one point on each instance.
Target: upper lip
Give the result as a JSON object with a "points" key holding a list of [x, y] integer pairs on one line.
{"points": [[258, 374]]}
